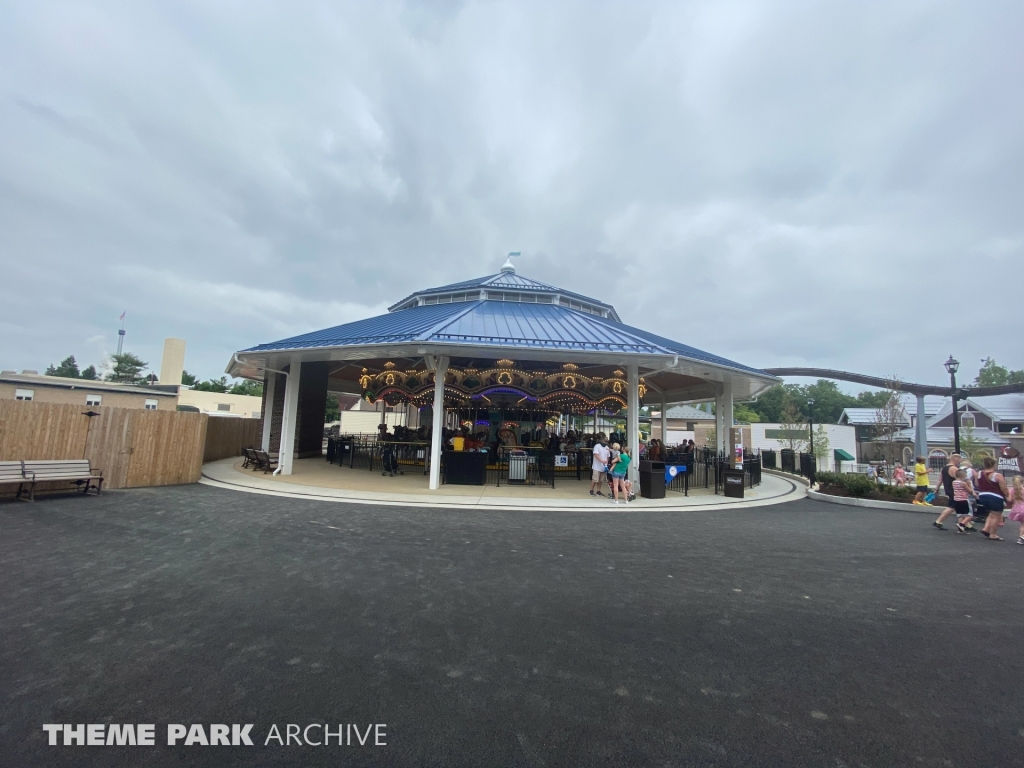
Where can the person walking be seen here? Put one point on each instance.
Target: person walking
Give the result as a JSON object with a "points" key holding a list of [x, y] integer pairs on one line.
{"points": [[599, 466], [922, 481], [1017, 510], [945, 484], [618, 469], [992, 493], [899, 475], [962, 492]]}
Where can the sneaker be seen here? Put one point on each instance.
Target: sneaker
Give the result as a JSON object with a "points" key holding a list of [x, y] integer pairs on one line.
{"points": [[592, 493], [961, 528], [614, 501], [1020, 540], [940, 526], [599, 493], [918, 503]]}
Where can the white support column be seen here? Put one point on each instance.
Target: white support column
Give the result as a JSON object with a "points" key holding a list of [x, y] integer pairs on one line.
{"points": [[289, 419], [633, 420], [664, 420], [727, 415], [268, 410], [435, 437], [720, 436]]}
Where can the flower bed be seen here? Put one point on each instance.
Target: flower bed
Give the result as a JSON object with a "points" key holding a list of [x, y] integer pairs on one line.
{"points": [[862, 487]]}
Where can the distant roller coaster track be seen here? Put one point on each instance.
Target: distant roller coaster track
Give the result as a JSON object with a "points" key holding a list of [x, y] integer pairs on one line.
{"points": [[882, 383]]}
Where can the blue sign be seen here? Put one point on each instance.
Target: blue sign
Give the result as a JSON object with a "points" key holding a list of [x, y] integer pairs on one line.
{"points": [[671, 470]]}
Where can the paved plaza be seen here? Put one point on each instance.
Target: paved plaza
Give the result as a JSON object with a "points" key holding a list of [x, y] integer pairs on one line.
{"points": [[796, 634]]}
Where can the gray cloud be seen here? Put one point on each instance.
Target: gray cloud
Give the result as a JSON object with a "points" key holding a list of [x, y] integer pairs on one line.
{"points": [[794, 183]]}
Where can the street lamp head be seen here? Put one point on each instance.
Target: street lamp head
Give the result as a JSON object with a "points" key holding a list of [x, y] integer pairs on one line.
{"points": [[810, 401], [952, 365]]}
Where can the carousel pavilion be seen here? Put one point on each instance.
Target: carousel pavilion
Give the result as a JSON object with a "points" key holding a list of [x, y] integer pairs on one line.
{"points": [[497, 349]]}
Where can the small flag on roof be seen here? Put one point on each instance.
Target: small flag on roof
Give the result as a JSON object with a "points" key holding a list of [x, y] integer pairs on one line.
{"points": [[122, 315]]}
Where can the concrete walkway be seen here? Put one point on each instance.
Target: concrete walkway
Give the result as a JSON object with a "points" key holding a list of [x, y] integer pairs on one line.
{"points": [[316, 479]]}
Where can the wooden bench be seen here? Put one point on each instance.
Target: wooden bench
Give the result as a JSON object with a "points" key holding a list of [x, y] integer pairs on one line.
{"points": [[27, 473], [265, 461]]}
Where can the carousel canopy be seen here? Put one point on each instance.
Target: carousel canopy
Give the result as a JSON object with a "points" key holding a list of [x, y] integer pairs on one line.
{"points": [[478, 322]]}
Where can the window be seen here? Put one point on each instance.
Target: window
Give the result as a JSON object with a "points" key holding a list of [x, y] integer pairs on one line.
{"points": [[24, 394], [223, 406], [94, 399], [936, 460], [967, 420], [150, 404]]}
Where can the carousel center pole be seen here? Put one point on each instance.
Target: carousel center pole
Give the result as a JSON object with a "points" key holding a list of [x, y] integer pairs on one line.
{"points": [[435, 438]]}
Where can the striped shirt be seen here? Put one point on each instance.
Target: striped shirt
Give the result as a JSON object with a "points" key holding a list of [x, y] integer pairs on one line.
{"points": [[960, 490]]}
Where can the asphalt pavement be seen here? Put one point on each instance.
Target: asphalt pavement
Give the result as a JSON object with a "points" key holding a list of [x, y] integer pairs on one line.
{"points": [[803, 634]]}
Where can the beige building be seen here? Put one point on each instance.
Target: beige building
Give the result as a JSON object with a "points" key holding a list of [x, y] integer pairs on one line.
{"points": [[30, 385], [221, 403]]}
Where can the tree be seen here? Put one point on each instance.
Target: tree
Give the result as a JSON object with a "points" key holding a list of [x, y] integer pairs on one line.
{"points": [[68, 368], [829, 401], [992, 374], [871, 399], [246, 387], [90, 374], [188, 379], [970, 445], [821, 443], [769, 405], [213, 385], [333, 412], [744, 415], [890, 419], [793, 425], [126, 368]]}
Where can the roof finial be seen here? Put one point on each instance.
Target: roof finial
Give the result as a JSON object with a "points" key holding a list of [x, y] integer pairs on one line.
{"points": [[507, 266]]}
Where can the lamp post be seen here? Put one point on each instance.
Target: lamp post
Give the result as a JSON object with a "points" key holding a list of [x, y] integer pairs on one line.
{"points": [[951, 367], [810, 421]]}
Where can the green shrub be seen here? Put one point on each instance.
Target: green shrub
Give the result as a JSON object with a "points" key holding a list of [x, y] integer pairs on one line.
{"points": [[829, 478], [898, 492], [860, 485]]}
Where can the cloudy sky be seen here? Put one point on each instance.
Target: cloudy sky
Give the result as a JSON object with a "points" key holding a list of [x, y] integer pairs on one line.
{"points": [[828, 184]]}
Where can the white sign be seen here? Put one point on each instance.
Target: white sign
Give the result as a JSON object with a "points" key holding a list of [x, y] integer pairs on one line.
{"points": [[561, 460]]}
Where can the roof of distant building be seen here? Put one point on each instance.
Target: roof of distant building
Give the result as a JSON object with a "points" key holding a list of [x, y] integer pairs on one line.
{"points": [[41, 380]]}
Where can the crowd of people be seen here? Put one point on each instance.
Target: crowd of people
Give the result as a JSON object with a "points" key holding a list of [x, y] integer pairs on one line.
{"points": [[972, 495]]}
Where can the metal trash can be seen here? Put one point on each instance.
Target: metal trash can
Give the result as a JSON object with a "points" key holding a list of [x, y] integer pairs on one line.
{"points": [[517, 461], [652, 479], [732, 483]]}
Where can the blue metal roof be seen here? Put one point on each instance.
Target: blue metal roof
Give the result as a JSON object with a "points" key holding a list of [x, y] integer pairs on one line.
{"points": [[506, 280], [509, 325]]}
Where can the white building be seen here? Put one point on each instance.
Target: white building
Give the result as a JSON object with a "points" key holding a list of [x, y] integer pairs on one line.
{"points": [[842, 443]]}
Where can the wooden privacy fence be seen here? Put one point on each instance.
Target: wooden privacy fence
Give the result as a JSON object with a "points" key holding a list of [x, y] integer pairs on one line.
{"points": [[226, 437], [132, 446]]}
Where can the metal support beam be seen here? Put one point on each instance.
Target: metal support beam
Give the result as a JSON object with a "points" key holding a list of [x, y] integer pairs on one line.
{"points": [[633, 420], [290, 417], [664, 420], [921, 430], [440, 369]]}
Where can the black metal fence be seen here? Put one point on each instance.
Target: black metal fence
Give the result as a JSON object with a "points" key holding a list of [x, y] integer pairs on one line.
{"points": [[803, 464], [705, 468], [534, 466]]}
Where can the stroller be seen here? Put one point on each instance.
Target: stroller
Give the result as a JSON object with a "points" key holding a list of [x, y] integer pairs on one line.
{"points": [[389, 459]]}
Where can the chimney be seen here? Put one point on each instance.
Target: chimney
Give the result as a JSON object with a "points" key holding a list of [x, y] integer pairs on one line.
{"points": [[173, 362]]}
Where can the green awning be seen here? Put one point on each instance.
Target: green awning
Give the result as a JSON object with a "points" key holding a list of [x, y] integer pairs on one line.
{"points": [[842, 455]]}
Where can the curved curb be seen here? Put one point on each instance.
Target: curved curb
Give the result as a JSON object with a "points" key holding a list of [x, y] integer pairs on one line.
{"points": [[852, 501], [316, 493]]}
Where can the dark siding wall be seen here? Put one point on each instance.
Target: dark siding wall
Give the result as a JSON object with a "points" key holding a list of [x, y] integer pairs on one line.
{"points": [[309, 432]]}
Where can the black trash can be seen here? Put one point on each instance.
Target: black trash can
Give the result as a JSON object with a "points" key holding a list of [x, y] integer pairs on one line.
{"points": [[652, 479], [732, 483]]}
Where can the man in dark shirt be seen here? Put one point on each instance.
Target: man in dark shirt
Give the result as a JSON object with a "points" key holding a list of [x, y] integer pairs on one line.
{"points": [[945, 486]]}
